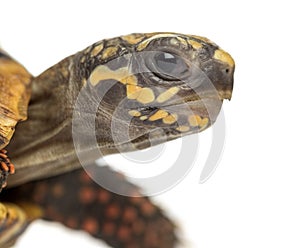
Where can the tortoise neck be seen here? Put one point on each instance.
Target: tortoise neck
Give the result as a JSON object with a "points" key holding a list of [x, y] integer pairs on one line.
{"points": [[45, 138]]}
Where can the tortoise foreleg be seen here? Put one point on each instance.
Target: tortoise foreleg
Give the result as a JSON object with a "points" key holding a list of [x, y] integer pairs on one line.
{"points": [[75, 200]]}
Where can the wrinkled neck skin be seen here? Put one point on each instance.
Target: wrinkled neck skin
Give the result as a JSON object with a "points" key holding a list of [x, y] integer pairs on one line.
{"points": [[42, 145]]}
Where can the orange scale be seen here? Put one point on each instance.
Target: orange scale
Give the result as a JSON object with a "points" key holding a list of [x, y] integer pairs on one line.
{"points": [[148, 209], [112, 211], [103, 196], [91, 226], [129, 214], [86, 195], [124, 233]]}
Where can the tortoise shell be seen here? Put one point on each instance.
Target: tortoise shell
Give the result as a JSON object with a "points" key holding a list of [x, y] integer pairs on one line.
{"points": [[14, 96]]}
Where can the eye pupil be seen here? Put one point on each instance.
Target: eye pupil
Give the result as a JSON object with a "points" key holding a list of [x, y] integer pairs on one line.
{"points": [[168, 66], [166, 62]]}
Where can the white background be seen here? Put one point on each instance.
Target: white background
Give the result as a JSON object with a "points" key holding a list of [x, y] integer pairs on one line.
{"points": [[253, 198]]}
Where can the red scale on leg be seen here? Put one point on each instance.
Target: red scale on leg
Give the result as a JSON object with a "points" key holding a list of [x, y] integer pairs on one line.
{"points": [[6, 168], [103, 196], [87, 195], [91, 226], [124, 233], [130, 214], [113, 211]]}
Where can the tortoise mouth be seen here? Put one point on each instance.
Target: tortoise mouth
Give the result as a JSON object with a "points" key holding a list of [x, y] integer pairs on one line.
{"points": [[178, 113], [188, 118], [200, 100]]}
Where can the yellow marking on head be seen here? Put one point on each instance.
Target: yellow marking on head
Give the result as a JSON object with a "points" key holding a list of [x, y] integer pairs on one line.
{"points": [[183, 128], [182, 41], [224, 57], [142, 95], [170, 119], [134, 113], [204, 39], [108, 52], [97, 49], [176, 41], [132, 38], [165, 96], [133, 91], [146, 95], [102, 72], [146, 42], [143, 45], [131, 80], [82, 60], [158, 115], [144, 117], [195, 44], [196, 120]]}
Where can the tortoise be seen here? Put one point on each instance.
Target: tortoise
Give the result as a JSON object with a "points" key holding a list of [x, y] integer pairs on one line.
{"points": [[148, 78]]}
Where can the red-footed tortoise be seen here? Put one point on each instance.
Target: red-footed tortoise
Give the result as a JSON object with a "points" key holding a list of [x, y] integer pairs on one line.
{"points": [[149, 78]]}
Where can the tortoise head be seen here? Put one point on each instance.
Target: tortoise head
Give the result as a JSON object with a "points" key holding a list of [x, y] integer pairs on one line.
{"points": [[144, 89], [120, 94]]}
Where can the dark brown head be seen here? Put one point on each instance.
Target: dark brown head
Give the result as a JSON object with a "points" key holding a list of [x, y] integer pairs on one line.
{"points": [[150, 88]]}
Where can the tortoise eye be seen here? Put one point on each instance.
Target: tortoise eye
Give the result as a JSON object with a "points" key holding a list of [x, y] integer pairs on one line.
{"points": [[167, 66]]}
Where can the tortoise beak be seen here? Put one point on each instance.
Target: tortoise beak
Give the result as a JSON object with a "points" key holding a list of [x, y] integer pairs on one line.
{"points": [[223, 74], [225, 94]]}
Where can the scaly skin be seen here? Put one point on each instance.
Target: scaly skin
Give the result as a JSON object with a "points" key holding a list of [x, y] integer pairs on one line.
{"points": [[140, 84]]}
